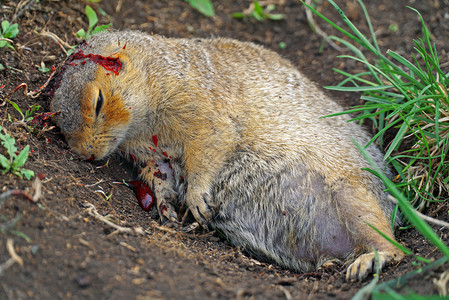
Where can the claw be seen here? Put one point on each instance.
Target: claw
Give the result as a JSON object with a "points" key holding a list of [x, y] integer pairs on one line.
{"points": [[202, 216], [200, 206], [190, 227], [365, 265], [166, 209]]}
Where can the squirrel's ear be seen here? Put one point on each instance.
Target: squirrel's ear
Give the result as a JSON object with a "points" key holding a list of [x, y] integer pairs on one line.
{"points": [[117, 55], [123, 57]]}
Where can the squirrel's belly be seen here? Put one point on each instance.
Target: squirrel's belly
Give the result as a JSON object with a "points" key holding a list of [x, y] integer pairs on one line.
{"points": [[286, 215]]}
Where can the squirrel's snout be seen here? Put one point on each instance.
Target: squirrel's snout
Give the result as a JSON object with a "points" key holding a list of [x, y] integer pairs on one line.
{"points": [[88, 152], [85, 154], [88, 148], [85, 151]]}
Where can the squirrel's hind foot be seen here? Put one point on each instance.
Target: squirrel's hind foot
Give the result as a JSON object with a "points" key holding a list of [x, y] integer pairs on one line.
{"points": [[366, 264]]}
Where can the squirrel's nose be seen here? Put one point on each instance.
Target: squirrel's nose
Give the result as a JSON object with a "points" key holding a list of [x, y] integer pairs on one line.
{"points": [[85, 152]]}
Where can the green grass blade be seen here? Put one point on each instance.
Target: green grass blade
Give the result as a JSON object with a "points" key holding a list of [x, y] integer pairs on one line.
{"points": [[407, 208], [392, 80], [370, 25], [401, 281], [387, 101], [348, 34], [354, 77], [399, 136], [392, 241], [21, 234], [349, 46], [421, 75], [350, 111], [405, 106], [360, 37], [16, 107], [358, 88]]}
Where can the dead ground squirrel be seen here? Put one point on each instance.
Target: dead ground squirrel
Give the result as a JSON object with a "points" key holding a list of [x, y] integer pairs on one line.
{"points": [[242, 129]]}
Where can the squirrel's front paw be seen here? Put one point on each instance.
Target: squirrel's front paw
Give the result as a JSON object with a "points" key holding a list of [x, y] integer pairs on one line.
{"points": [[159, 175], [201, 207], [164, 199]]}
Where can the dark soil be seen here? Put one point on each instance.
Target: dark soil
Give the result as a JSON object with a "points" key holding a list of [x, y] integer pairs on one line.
{"points": [[73, 255]]}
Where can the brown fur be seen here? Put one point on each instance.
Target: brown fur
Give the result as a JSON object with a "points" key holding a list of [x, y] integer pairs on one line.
{"points": [[251, 154]]}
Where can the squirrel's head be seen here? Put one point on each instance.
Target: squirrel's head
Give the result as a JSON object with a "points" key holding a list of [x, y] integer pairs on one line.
{"points": [[92, 114]]}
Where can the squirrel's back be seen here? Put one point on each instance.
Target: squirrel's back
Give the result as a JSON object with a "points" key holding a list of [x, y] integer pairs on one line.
{"points": [[266, 98]]}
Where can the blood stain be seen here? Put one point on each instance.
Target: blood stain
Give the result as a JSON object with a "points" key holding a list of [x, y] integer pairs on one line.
{"points": [[40, 118], [162, 207], [112, 64], [155, 140], [143, 193], [160, 175]]}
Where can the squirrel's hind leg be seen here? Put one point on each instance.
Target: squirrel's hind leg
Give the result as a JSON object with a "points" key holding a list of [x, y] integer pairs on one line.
{"points": [[360, 212]]}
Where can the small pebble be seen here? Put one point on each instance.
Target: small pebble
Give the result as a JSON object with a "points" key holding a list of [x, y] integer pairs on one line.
{"points": [[83, 280]]}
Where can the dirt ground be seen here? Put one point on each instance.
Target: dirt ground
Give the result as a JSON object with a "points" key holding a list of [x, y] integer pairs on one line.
{"points": [[73, 255]]}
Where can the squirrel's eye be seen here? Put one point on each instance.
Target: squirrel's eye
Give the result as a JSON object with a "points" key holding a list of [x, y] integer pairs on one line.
{"points": [[99, 103]]}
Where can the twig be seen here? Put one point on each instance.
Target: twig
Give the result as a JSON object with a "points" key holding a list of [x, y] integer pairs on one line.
{"points": [[58, 40], [312, 293], [37, 188], [5, 196], [96, 183], [13, 259], [92, 210], [8, 40], [163, 228], [317, 28], [21, 7], [118, 7], [129, 247], [7, 264], [423, 216], [442, 283], [12, 252], [32, 94], [287, 294]]}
